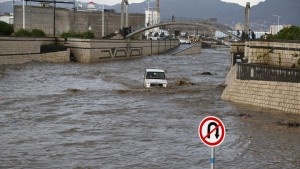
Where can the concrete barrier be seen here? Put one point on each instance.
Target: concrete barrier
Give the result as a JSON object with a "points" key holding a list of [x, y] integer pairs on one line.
{"points": [[18, 50], [14, 50], [192, 50], [97, 50]]}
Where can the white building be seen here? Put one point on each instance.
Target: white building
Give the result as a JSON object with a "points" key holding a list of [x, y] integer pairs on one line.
{"points": [[274, 29], [151, 18], [258, 35], [91, 6], [8, 18]]}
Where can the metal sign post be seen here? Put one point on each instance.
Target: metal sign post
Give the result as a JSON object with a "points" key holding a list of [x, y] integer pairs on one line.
{"points": [[212, 158]]}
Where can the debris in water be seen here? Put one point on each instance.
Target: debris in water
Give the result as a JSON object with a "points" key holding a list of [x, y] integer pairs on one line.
{"points": [[206, 73], [245, 115], [289, 124], [182, 83]]}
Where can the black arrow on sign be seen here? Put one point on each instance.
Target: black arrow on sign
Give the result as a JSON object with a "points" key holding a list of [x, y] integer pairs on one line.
{"points": [[217, 128]]}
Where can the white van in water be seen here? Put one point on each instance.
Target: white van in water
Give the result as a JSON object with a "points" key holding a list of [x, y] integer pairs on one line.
{"points": [[155, 77]]}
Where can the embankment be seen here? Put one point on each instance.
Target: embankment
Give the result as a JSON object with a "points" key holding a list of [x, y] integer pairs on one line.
{"points": [[15, 50], [282, 96], [96, 50], [194, 49]]}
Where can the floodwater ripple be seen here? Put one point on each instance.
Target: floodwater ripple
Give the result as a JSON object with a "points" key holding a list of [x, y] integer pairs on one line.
{"points": [[100, 116]]}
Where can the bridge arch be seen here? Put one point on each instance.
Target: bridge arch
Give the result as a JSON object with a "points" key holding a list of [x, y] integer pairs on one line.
{"points": [[183, 23]]}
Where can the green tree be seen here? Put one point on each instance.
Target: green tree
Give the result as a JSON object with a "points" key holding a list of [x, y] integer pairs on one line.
{"points": [[5, 29], [289, 33]]}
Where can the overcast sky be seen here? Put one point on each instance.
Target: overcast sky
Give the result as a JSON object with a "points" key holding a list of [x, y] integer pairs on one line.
{"points": [[113, 2]]}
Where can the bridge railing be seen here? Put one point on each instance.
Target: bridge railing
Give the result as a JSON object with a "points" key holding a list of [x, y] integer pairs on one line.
{"points": [[267, 73], [183, 19], [195, 20]]}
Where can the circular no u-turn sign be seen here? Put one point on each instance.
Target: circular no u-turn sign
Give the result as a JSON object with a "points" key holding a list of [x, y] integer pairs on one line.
{"points": [[211, 131]]}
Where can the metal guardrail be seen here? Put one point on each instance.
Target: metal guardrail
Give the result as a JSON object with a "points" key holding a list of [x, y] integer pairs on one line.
{"points": [[267, 73]]}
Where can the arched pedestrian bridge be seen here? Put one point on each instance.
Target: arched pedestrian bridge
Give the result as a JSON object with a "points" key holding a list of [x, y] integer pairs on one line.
{"points": [[186, 22]]}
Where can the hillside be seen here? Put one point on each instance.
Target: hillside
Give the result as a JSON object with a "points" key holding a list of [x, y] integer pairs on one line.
{"points": [[227, 13]]}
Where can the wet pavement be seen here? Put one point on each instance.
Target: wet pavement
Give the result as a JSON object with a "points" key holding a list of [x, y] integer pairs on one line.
{"points": [[100, 116]]}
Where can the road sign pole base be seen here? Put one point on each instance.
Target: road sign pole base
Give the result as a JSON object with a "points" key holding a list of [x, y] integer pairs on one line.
{"points": [[213, 158]]}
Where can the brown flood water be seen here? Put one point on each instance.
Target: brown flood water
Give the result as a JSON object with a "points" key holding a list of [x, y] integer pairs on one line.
{"points": [[99, 116]]}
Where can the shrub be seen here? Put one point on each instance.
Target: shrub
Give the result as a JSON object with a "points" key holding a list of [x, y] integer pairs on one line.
{"points": [[71, 35], [34, 32], [85, 35], [88, 35], [22, 32], [5, 29], [37, 33], [289, 33]]}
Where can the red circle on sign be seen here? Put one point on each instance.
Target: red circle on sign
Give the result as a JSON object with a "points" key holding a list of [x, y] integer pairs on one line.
{"points": [[219, 124]]}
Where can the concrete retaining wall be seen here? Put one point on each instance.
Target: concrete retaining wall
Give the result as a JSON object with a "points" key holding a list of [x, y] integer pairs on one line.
{"points": [[21, 50], [195, 49], [53, 57], [273, 53], [90, 51], [275, 95], [25, 45], [18, 50]]}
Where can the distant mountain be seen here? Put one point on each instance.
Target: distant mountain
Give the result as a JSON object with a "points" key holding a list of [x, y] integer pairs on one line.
{"points": [[226, 13], [289, 10], [7, 7]]}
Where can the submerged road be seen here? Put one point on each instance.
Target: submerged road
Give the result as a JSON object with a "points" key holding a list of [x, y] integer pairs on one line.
{"points": [[99, 116]]}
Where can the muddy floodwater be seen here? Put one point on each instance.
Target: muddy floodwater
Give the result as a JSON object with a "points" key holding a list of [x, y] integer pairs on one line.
{"points": [[100, 116]]}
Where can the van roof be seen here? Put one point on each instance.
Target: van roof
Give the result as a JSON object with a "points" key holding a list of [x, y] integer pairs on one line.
{"points": [[155, 70]]}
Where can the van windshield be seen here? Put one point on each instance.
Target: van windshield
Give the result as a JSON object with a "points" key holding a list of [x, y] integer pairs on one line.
{"points": [[155, 75]]}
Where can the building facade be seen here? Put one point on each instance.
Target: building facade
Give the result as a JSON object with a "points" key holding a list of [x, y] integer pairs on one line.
{"points": [[8, 18], [151, 18], [274, 29], [67, 20]]}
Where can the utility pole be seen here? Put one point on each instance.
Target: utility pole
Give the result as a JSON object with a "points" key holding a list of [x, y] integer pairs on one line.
{"points": [[54, 17], [278, 17], [247, 21], [157, 12]]}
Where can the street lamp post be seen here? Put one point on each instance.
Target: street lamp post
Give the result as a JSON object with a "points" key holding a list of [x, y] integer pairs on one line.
{"points": [[102, 20], [278, 17], [23, 7]]}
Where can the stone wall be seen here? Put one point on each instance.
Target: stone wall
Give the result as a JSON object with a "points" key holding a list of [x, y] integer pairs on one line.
{"points": [[284, 54], [95, 50], [274, 95], [72, 21]]}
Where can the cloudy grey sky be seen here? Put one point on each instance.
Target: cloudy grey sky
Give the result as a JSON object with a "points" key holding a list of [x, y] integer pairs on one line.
{"points": [[113, 2]]}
